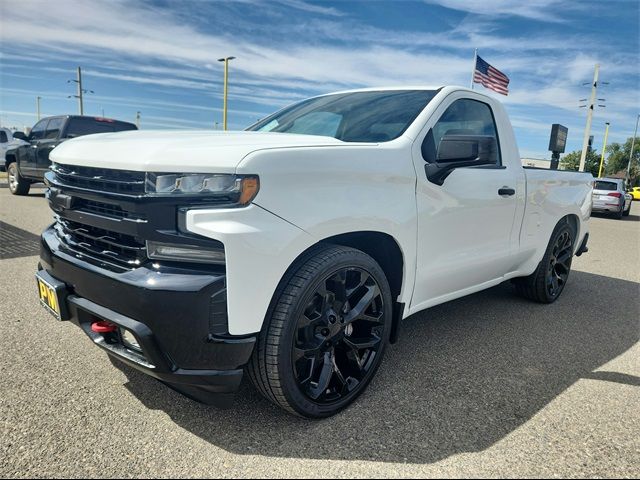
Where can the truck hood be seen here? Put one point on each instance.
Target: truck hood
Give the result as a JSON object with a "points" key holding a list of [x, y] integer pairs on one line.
{"points": [[177, 151]]}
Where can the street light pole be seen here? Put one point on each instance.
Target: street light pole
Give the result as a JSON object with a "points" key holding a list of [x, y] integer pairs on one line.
{"points": [[633, 144], [38, 107], [226, 81], [604, 148], [587, 130], [138, 119]]}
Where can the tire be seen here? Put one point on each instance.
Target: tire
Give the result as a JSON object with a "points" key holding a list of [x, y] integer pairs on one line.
{"points": [[314, 358], [618, 215], [627, 211], [540, 286], [18, 185]]}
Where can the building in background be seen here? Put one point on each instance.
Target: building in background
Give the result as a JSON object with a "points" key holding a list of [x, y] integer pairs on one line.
{"points": [[536, 162]]}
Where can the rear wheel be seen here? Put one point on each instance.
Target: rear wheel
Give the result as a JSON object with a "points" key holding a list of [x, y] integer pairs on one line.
{"points": [[17, 184], [618, 215], [548, 281], [325, 334]]}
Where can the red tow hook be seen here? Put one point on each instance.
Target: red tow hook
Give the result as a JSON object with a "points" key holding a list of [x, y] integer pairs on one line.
{"points": [[104, 327]]}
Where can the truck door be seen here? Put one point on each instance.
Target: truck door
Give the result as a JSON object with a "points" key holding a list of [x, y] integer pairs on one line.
{"points": [[464, 225], [27, 154], [48, 142]]}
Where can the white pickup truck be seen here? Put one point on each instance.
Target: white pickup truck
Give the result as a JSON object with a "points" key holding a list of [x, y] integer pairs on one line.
{"points": [[292, 251]]}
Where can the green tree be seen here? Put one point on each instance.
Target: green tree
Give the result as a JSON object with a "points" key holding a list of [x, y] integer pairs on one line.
{"points": [[618, 158], [571, 161]]}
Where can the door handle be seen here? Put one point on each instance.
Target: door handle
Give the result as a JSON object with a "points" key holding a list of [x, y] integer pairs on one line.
{"points": [[506, 192]]}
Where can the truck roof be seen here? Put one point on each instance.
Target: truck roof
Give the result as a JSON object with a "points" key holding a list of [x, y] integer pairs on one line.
{"points": [[450, 88]]}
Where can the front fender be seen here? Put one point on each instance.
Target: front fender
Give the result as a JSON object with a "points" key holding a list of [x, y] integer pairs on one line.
{"points": [[259, 248]]}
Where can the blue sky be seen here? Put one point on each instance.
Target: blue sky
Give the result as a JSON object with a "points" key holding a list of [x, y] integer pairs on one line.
{"points": [[159, 57]]}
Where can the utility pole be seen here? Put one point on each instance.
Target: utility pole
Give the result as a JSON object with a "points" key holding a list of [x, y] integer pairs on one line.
{"points": [[79, 81], [604, 148], [38, 107], [587, 130], [226, 81], [633, 144], [138, 119], [81, 91]]}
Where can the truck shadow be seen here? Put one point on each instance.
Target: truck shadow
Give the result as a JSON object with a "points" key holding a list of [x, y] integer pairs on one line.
{"points": [[463, 376]]}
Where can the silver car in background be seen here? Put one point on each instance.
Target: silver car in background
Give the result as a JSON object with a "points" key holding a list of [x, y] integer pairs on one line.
{"points": [[609, 196]]}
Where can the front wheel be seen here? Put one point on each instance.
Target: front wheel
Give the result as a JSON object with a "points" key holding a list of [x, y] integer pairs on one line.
{"points": [[17, 184], [325, 333], [548, 281], [628, 210]]}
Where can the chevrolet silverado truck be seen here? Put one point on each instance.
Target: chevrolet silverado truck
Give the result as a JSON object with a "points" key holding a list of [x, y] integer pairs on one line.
{"points": [[28, 162], [292, 251]]}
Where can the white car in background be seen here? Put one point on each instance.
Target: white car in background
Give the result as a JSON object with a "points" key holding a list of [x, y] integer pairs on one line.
{"points": [[609, 196], [7, 142]]}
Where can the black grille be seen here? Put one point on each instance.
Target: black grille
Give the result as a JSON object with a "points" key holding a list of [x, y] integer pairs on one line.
{"points": [[100, 179], [124, 250], [105, 210]]}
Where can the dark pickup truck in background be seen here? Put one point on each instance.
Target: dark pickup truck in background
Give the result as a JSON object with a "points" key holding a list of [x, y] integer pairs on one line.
{"points": [[27, 164]]}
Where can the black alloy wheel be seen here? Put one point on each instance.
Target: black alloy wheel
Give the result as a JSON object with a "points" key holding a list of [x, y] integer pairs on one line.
{"points": [[559, 263], [338, 335], [549, 279], [325, 332]]}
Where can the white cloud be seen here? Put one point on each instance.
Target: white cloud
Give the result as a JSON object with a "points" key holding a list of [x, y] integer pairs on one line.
{"points": [[546, 10], [142, 44]]}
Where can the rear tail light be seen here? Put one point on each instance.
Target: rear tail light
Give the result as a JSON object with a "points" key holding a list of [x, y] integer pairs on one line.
{"points": [[614, 194]]}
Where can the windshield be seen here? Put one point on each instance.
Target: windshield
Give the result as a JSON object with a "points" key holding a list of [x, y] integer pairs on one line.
{"points": [[377, 116]]}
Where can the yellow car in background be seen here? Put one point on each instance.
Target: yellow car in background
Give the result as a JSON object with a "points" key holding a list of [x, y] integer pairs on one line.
{"points": [[635, 193]]}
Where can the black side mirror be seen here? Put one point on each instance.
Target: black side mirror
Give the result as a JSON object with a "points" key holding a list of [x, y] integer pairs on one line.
{"points": [[20, 136], [457, 151]]}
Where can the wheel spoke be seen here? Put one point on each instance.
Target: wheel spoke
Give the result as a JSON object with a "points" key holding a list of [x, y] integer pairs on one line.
{"points": [[564, 258], [362, 304], [361, 343], [308, 353], [325, 377], [339, 286]]}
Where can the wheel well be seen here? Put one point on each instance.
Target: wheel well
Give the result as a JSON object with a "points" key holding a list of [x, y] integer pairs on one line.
{"points": [[572, 220], [385, 250], [9, 158], [379, 246]]}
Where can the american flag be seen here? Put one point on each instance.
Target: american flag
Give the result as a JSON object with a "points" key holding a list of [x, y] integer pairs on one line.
{"points": [[490, 77]]}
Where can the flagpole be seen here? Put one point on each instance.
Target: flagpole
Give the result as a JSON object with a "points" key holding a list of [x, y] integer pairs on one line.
{"points": [[473, 71]]}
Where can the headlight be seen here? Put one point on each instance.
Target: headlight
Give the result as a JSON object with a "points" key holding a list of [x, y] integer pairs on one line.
{"points": [[240, 189]]}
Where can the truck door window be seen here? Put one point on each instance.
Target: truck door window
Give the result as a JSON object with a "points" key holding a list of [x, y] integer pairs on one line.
{"points": [[3, 137], [463, 117], [37, 132], [53, 128]]}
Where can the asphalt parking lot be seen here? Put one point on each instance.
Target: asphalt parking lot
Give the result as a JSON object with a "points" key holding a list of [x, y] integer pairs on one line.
{"points": [[489, 385]]}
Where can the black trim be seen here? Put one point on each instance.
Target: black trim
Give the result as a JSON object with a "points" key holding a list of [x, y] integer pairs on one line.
{"points": [[132, 219], [398, 310], [169, 311], [173, 300], [583, 246]]}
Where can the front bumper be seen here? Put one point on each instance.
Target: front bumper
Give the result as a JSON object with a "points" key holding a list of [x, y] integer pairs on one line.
{"points": [[175, 313]]}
